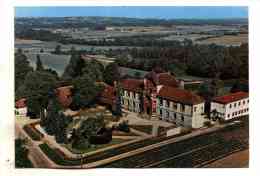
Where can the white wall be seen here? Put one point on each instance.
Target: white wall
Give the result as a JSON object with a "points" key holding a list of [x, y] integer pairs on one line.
{"points": [[198, 117], [21, 111], [233, 111], [191, 118], [239, 110]]}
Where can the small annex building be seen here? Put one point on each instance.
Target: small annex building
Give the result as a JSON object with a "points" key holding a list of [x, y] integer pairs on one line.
{"points": [[230, 106], [21, 107]]}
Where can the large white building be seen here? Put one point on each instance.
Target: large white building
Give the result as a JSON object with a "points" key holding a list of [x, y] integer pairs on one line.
{"points": [[159, 96], [230, 106], [180, 107]]}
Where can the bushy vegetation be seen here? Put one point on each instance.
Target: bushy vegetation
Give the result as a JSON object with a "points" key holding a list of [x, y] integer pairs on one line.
{"points": [[21, 155], [123, 126], [80, 137]]}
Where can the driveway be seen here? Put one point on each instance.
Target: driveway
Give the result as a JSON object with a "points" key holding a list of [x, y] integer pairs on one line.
{"points": [[133, 119]]}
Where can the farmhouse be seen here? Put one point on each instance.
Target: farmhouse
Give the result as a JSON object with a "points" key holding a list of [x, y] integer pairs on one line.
{"points": [[230, 106]]}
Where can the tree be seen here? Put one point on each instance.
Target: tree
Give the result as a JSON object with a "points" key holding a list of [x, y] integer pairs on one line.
{"points": [[111, 73], [22, 68], [93, 69], [49, 122], [85, 91], [74, 68], [89, 127], [119, 93], [62, 123], [37, 85], [39, 66]]}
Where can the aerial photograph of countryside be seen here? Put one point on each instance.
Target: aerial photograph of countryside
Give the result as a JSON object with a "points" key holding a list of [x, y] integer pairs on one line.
{"points": [[131, 87]]}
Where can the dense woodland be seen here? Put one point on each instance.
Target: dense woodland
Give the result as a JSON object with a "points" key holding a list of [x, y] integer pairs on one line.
{"points": [[187, 58]]}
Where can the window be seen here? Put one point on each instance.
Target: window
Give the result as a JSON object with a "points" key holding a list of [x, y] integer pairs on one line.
{"points": [[228, 115], [167, 114], [182, 107], [160, 111], [175, 106], [244, 102], [167, 103], [195, 108], [235, 104], [233, 114], [247, 101], [238, 103], [182, 118], [175, 116], [230, 106]]}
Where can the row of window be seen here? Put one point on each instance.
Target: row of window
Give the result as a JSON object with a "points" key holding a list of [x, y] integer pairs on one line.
{"points": [[238, 103], [127, 94], [174, 115], [238, 112], [175, 106]]}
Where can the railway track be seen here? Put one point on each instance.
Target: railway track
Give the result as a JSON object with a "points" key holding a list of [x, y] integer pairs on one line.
{"points": [[192, 152], [167, 151], [201, 156]]}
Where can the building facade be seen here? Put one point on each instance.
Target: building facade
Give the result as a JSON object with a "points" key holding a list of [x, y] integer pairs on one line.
{"points": [[160, 96], [21, 108], [180, 107], [230, 106]]}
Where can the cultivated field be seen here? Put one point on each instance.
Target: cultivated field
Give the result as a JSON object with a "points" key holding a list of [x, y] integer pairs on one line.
{"points": [[227, 40]]}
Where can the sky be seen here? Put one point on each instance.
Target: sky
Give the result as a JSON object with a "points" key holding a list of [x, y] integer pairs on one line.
{"points": [[188, 12]]}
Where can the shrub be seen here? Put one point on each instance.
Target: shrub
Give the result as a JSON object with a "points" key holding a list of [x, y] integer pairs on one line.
{"points": [[123, 126], [208, 124], [103, 137]]}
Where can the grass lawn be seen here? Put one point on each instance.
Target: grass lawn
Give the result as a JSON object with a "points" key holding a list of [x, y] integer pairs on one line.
{"points": [[94, 147], [143, 128]]}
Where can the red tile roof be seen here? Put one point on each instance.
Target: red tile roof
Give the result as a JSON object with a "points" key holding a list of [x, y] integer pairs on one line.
{"points": [[167, 80], [20, 103], [108, 95], [64, 95], [179, 95], [162, 79], [132, 84], [231, 97]]}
